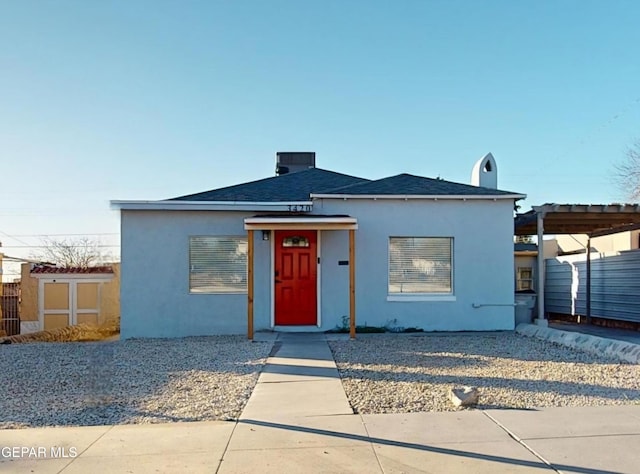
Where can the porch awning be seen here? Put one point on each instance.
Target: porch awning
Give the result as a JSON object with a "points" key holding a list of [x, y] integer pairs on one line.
{"points": [[301, 222]]}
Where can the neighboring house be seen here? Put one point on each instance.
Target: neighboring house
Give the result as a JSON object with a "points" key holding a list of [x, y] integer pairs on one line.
{"points": [[525, 258], [54, 297], [577, 243], [428, 253]]}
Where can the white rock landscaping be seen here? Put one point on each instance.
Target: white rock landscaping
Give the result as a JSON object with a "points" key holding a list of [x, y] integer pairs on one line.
{"points": [[133, 381], [410, 373]]}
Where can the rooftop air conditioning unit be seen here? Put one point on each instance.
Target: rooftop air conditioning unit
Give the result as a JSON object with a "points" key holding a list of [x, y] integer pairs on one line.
{"points": [[293, 161]]}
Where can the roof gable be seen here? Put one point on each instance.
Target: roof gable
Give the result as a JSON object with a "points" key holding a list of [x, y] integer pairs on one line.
{"points": [[408, 184], [291, 187]]}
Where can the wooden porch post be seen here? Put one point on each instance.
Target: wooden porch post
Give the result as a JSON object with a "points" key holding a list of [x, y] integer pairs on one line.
{"points": [[250, 285], [352, 284]]}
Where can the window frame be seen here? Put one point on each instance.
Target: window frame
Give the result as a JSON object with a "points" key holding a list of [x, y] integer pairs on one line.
{"points": [[520, 279], [422, 296], [212, 288]]}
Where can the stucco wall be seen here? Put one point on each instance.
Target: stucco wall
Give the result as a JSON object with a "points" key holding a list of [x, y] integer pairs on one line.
{"points": [[483, 262], [110, 296], [155, 298], [607, 243], [29, 298]]}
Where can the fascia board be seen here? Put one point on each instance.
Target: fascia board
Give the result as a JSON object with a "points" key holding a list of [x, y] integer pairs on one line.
{"points": [[207, 205], [436, 197]]}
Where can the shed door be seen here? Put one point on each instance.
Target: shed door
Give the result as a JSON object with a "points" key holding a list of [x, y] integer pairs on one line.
{"points": [[66, 303], [57, 307], [296, 277]]}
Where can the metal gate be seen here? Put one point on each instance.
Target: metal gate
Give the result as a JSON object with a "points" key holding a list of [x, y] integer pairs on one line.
{"points": [[10, 308]]}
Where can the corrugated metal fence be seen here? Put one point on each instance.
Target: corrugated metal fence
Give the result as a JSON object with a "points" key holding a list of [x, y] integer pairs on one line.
{"points": [[615, 285]]}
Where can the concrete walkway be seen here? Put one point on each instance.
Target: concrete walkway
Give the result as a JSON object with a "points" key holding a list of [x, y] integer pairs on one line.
{"points": [[298, 420]]}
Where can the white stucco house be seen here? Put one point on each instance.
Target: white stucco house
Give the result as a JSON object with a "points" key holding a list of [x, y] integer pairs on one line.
{"points": [[308, 249]]}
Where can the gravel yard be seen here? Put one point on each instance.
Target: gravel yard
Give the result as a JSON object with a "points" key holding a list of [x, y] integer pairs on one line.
{"points": [[400, 373], [134, 381]]}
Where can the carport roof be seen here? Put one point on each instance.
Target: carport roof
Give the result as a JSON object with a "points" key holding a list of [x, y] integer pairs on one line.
{"points": [[590, 219]]}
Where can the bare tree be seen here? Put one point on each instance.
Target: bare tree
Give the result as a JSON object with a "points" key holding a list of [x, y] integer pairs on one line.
{"points": [[627, 173], [83, 252]]}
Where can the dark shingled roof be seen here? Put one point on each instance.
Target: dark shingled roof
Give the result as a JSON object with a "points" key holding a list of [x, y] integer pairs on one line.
{"points": [[298, 187], [408, 184], [284, 188], [522, 247]]}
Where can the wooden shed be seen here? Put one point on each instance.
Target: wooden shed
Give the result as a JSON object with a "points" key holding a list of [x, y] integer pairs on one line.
{"points": [[54, 297]]}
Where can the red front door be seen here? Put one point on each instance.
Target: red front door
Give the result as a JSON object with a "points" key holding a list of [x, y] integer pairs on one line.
{"points": [[295, 277]]}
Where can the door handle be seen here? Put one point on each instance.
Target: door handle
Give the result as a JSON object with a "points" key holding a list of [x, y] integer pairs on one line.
{"points": [[277, 281]]}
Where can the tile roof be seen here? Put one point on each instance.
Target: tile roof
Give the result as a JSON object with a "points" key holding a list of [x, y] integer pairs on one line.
{"points": [[408, 184], [283, 188], [40, 269]]}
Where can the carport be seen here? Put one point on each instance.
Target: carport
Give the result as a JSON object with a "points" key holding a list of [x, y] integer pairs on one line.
{"points": [[594, 220]]}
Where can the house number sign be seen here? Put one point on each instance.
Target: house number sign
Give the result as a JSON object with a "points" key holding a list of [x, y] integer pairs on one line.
{"points": [[299, 207]]}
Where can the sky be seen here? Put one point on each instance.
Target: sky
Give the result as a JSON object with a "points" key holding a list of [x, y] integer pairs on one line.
{"points": [[127, 100]]}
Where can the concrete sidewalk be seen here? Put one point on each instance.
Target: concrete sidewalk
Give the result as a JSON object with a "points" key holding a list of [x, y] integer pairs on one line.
{"points": [[298, 420]]}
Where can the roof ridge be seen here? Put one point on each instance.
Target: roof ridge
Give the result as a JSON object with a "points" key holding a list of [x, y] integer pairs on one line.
{"points": [[235, 185], [368, 181], [438, 186], [299, 184]]}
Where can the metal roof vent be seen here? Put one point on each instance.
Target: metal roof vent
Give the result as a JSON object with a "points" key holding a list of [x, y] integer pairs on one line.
{"points": [[485, 172], [293, 161]]}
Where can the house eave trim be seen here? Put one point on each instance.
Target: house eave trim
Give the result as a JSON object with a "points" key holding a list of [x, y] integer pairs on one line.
{"points": [[434, 197], [210, 206], [301, 223]]}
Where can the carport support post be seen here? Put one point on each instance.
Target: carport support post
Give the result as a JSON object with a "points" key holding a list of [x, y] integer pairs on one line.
{"points": [[589, 279], [352, 283], [250, 285], [540, 290]]}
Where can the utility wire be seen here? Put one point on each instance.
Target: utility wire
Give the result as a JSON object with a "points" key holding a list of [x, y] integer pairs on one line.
{"points": [[64, 235], [47, 246], [14, 238]]}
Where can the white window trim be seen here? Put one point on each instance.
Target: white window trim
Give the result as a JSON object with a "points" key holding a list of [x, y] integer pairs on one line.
{"points": [[420, 297], [423, 296]]}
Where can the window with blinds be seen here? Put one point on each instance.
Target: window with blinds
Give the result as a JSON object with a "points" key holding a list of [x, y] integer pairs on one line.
{"points": [[420, 265], [217, 264]]}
